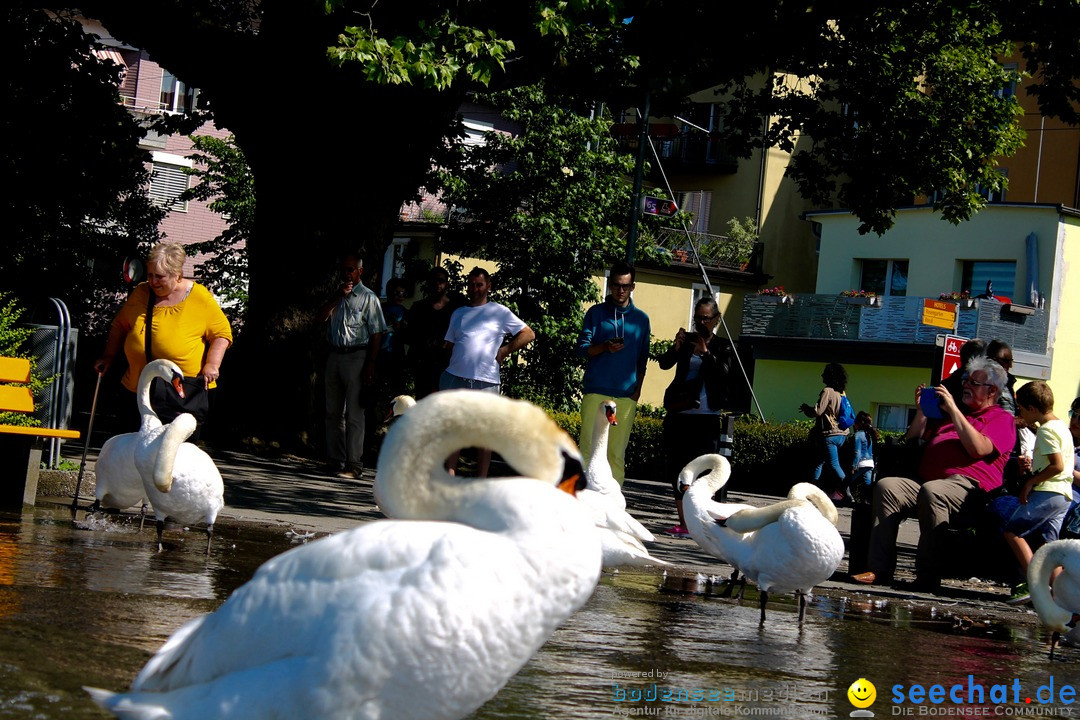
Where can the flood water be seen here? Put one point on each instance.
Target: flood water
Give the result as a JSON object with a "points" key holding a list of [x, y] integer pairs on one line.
{"points": [[88, 604]]}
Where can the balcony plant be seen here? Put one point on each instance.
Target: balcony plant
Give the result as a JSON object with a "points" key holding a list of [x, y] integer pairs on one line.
{"points": [[774, 294], [860, 297], [962, 298]]}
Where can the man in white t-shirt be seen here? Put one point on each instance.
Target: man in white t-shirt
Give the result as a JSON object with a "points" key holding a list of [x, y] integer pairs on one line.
{"points": [[476, 340]]}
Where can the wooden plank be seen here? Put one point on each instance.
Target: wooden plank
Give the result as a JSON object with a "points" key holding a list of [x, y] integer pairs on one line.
{"points": [[14, 370], [39, 431], [16, 399]]}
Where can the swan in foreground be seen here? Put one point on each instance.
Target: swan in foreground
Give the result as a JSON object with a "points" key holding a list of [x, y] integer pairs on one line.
{"points": [[789, 546], [621, 536], [1059, 607], [181, 481], [118, 483], [427, 615]]}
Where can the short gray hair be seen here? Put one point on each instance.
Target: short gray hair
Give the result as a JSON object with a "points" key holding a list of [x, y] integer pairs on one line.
{"points": [[995, 374], [169, 258]]}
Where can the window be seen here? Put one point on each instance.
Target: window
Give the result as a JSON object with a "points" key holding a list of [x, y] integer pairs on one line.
{"points": [[885, 277], [176, 96], [894, 417], [698, 202], [168, 179], [991, 277]]}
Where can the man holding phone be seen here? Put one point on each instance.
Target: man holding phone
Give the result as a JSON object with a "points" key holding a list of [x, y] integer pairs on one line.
{"points": [[614, 340]]}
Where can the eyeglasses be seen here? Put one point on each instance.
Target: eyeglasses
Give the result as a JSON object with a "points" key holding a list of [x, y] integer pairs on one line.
{"points": [[976, 383], [704, 318], [622, 286]]}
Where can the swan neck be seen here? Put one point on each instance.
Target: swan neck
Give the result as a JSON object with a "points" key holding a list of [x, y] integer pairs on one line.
{"points": [[165, 460], [1040, 569], [746, 521]]}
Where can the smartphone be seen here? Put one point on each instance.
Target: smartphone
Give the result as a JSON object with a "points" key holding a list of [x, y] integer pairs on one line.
{"points": [[618, 340], [929, 403]]}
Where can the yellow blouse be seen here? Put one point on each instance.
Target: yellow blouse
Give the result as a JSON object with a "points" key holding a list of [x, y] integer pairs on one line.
{"points": [[181, 332]]}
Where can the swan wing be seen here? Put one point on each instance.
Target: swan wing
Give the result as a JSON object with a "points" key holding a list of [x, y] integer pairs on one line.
{"points": [[798, 551], [117, 480], [620, 549], [608, 516], [370, 617], [198, 491]]}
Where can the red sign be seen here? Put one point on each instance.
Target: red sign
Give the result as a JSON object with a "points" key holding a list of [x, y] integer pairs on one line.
{"points": [[950, 363]]}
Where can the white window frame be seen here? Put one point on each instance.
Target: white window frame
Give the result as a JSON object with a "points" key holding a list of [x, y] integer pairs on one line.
{"points": [[168, 169], [393, 265], [890, 265]]}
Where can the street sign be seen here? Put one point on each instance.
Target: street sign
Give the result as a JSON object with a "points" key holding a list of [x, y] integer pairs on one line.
{"points": [[938, 313], [950, 361], [659, 206]]}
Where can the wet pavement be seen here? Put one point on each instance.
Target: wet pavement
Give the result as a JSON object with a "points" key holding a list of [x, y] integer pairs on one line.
{"points": [[87, 603]]}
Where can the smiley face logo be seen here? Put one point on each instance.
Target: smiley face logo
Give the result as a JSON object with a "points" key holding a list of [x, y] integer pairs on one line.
{"points": [[862, 693]]}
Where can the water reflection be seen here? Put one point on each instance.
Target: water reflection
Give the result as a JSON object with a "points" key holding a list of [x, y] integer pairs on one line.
{"points": [[88, 605]]}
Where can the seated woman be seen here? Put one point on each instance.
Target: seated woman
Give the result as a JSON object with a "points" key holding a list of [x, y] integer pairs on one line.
{"points": [[962, 461]]}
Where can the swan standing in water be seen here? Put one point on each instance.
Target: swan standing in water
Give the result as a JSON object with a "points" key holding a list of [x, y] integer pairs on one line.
{"points": [[426, 616], [1058, 608], [621, 536], [118, 483], [789, 546], [180, 480]]}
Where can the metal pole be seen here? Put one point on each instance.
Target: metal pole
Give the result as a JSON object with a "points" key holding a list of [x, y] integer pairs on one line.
{"points": [[639, 176], [86, 445]]}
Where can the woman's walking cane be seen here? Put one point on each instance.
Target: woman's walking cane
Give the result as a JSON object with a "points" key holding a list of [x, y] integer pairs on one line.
{"points": [[86, 445]]}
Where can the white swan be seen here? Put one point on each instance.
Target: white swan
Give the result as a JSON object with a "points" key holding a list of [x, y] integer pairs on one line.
{"points": [[789, 546], [180, 480], [398, 406], [621, 536], [1057, 608], [423, 617], [118, 483]]}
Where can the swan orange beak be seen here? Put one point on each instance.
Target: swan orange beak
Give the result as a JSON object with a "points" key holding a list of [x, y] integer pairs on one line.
{"points": [[570, 484], [573, 478], [610, 412], [176, 384]]}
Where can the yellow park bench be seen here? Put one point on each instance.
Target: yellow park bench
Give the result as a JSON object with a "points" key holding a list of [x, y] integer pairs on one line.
{"points": [[20, 446]]}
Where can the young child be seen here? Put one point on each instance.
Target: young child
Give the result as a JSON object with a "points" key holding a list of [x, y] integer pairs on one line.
{"points": [[1045, 497], [862, 469]]}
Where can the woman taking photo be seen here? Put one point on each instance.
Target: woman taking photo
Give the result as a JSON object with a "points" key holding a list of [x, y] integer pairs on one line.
{"points": [[187, 326], [826, 434]]}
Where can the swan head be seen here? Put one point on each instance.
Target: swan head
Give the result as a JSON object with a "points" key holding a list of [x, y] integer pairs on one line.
{"points": [[816, 497], [167, 370], [399, 405], [410, 480], [717, 471], [608, 408]]}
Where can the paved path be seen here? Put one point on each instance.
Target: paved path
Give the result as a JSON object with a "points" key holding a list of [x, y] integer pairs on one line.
{"points": [[294, 493]]}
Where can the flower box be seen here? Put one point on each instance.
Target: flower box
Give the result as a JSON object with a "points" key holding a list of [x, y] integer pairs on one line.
{"points": [[774, 299], [1018, 309], [869, 301]]}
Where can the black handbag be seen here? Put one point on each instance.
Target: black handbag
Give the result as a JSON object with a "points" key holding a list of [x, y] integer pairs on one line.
{"points": [[164, 399]]}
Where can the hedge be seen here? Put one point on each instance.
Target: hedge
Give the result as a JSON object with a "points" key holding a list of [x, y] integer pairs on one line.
{"points": [[767, 458]]}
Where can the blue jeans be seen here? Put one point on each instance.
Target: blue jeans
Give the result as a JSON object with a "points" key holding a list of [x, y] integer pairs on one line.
{"points": [[830, 455]]}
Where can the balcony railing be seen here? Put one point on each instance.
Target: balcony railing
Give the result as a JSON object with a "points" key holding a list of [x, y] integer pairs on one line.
{"points": [[890, 320], [681, 152], [715, 250]]}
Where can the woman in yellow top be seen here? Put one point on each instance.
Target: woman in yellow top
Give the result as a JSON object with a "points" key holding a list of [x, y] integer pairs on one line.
{"points": [[188, 328]]}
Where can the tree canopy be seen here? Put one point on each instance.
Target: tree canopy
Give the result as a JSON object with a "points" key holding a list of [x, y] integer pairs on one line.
{"points": [[73, 173], [340, 106]]}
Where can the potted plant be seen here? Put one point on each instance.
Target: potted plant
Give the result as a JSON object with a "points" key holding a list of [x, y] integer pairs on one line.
{"points": [[860, 297], [774, 295], [962, 298]]}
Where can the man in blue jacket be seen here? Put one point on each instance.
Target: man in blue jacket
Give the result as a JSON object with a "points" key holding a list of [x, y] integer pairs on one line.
{"points": [[614, 340]]}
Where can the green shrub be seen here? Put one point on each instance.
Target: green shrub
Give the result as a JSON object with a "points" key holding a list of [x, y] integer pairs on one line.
{"points": [[12, 344]]}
